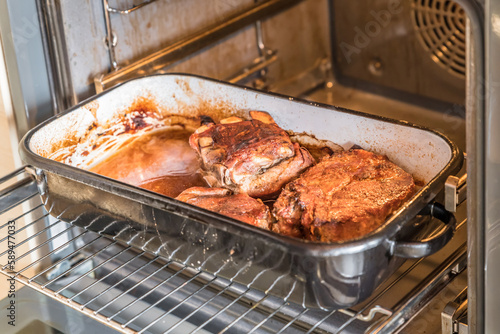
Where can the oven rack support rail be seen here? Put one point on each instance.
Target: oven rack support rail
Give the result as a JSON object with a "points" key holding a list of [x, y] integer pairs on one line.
{"points": [[160, 60], [133, 292]]}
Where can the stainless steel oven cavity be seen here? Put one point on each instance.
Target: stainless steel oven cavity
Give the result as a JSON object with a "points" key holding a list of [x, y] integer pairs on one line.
{"points": [[403, 60]]}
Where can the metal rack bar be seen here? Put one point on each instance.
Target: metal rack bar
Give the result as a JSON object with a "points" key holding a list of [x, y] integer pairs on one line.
{"points": [[12, 175], [49, 254], [130, 289], [316, 325], [100, 318], [161, 300], [13, 205], [16, 185], [259, 64], [263, 321], [260, 39], [359, 314], [63, 259], [196, 310], [114, 285], [244, 314], [186, 293], [91, 270], [287, 325], [410, 303], [34, 236], [147, 294], [77, 265], [220, 311], [177, 306], [25, 226], [106, 276]]}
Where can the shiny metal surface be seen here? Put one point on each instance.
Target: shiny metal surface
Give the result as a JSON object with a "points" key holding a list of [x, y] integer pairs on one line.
{"points": [[185, 48], [428, 319], [475, 145], [455, 192], [409, 307], [492, 170], [315, 275], [440, 26], [415, 250], [127, 290], [380, 48], [259, 66], [110, 36], [130, 9], [453, 315], [28, 82], [56, 57], [143, 32], [40, 314], [353, 97]]}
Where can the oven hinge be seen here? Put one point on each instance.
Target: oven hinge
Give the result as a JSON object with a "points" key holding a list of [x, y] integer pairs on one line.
{"points": [[455, 192], [454, 315]]}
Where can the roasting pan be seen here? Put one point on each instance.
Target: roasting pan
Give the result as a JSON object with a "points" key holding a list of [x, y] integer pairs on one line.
{"points": [[318, 275]]}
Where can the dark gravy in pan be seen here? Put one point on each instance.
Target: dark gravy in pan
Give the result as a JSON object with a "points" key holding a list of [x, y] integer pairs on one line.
{"points": [[161, 161]]}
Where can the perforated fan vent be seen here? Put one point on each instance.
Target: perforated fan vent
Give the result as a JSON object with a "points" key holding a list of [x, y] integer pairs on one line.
{"points": [[440, 25]]}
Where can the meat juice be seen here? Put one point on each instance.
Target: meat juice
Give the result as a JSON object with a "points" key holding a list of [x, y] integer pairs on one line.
{"points": [[162, 162]]}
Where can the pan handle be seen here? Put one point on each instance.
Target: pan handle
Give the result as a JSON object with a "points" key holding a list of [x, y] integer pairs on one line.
{"points": [[428, 246]]}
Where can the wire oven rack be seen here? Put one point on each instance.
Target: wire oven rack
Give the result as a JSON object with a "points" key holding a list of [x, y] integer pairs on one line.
{"points": [[131, 291]]}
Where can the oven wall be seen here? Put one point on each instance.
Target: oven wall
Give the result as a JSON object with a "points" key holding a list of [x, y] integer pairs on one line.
{"points": [[299, 35], [25, 65], [492, 171], [6, 150], [407, 47], [8, 134], [14, 111]]}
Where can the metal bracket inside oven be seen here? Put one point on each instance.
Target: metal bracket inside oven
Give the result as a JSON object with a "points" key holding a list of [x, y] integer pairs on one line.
{"points": [[455, 192], [183, 48], [266, 57], [454, 315]]}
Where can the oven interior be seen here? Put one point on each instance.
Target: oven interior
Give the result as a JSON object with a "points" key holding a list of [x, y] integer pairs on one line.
{"points": [[403, 60]]}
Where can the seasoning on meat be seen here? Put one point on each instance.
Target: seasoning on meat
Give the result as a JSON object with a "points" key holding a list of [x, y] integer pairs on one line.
{"points": [[239, 206], [345, 196], [254, 156]]}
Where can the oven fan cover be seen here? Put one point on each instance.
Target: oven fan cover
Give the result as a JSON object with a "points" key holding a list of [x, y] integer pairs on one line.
{"points": [[440, 26]]}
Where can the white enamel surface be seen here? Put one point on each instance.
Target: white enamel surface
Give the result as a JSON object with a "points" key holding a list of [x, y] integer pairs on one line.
{"points": [[420, 152]]}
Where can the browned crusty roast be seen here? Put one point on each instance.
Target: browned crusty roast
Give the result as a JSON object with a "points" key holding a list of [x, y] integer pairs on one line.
{"points": [[239, 206], [254, 156], [345, 196]]}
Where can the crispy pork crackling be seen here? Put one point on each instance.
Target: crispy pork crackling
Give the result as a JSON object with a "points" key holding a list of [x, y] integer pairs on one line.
{"points": [[254, 156]]}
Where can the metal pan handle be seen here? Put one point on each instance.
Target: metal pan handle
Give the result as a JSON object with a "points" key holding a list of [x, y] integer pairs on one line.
{"points": [[428, 246]]}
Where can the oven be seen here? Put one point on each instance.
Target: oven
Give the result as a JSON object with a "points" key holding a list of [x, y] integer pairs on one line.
{"points": [[427, 62]]}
